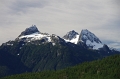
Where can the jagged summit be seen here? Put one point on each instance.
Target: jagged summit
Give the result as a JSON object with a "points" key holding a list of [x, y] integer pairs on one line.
{"points": [[90, 39], [30, 30], [87, 35], [71, 36], [32, 34]]}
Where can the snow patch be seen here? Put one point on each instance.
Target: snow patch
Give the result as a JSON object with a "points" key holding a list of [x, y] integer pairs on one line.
{"points": [[94, 44], [73, 40], [23, 44], [86, 37], [53, 44], [20, 47], [9, 44], [36, 36]]}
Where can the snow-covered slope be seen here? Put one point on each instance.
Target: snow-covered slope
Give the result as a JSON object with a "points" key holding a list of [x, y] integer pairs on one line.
{"points": [[85, 36], [30, 30], [36, 36], [72, 37], [90, 39], [32, 34]]}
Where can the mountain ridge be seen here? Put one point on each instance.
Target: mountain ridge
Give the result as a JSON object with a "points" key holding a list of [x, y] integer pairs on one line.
{"points": [[87, 37], [39, 51]]}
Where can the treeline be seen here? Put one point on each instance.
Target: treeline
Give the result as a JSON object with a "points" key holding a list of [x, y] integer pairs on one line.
{"points": [[107, 68]]}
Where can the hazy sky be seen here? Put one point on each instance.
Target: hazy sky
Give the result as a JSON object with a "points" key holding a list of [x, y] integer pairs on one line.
{"points": [[101, 17]]}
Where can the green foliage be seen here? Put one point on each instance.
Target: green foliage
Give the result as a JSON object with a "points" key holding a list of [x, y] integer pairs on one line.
{"points": [[107, 68], [4, 71], [49, 57], [34, 56], [21, 57]]}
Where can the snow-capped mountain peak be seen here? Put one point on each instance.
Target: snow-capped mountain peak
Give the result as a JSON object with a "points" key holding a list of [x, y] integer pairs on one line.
{"points": [[87, 35], [71, 36], [31, 30], [33, 27], [33, 35], [90, 39]]}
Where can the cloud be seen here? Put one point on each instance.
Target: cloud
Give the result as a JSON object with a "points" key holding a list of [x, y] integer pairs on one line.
{"points": [[24, 5], [115, 45], [112, 44]]}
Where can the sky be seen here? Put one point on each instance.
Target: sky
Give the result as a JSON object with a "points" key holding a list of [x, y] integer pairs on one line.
{"points": [[101, 17]]}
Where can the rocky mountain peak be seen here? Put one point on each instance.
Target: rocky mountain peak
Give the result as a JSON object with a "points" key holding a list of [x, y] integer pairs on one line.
{"points": [[30, 30], [87, 35], [70, 35], [90, 39]]}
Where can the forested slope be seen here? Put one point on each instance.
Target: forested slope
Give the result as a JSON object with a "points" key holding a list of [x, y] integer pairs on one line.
{"points": [[107, 68]]}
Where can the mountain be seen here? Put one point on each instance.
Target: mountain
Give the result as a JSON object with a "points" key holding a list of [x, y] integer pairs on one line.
{"points": [[34, 51], [85, 36], [30, 30], [32, 35], [72, 37], [107, 68], [90, 39]]}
